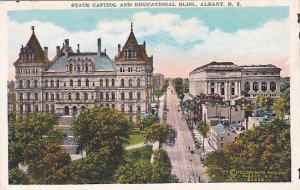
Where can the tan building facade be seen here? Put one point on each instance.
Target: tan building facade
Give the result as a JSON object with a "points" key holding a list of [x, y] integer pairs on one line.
{"points": [[230, 81], [74, 81]]}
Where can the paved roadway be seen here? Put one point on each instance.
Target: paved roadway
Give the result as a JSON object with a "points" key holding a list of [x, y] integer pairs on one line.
{"points": [[186, 166]]}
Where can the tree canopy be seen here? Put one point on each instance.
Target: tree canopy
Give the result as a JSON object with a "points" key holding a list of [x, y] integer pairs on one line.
{"points": [[178, 86], [147, 121], [158, 132], [265, 150]]}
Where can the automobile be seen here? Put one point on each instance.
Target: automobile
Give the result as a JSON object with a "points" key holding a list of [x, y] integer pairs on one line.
{"points": [[192, 151]]}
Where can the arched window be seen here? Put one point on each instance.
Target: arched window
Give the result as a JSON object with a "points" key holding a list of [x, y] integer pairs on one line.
{"points": [[47, 108], [28, 96], [77, 96], [21, 96], [130, 82], [130, 95], [57, 96], [112, 82], [52, 108], [82, 108], [21, 108], [106, 83], [46, 83], [52, 97], [122, 96], [69, 96], [70, 69], [255, 86], [138, 95], [107, 96], [123, 108], [138, 108], [113, 96], [264, 86], [122, 83], [35, 83], [28, 108], [74, 110], [138, 82], [273, 86], [113, 106], [36, 96], [52, 83], [28, 84], [57, 83], [86, 96], [130, 108], [67, 110], [86, 68], [247, 86], [87, 82], [71, 82], [101, 82], [21, 84], [47, 96], [101, 95], [36, 108], [79, 82]]}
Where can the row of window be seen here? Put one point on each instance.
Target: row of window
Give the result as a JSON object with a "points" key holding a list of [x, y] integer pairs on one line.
{"points": [[27, 71], [78, 68], [264, 86], [130, 69], [56, 83]]}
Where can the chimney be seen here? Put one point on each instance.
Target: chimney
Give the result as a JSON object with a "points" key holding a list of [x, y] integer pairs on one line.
{"points": [[119, 48], [46, 52], [99, 47], [57, 50], [67, 47], [78, 48]]}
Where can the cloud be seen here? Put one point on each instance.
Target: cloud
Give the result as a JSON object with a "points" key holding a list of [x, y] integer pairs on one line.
{"points": [[267, 44]]}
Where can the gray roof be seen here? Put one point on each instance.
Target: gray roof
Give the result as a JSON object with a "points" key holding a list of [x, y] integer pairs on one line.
{"points": [[218, 129], [100, 63], [226, 66]]}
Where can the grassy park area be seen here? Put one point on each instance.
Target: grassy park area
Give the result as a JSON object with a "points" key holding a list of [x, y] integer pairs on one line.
{"points": [[136, 138]]}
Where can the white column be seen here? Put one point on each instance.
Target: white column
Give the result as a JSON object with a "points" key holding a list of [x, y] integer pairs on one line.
{"points": [[236, 88]]}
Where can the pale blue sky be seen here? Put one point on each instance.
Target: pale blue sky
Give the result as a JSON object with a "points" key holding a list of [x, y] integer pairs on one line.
{"points": [[175, 36]]}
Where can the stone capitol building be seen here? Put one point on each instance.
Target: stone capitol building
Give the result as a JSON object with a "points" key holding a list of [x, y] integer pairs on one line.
{"points": [[230, 80], [74, 81]]}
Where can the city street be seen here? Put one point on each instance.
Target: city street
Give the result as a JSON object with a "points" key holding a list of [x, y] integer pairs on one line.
{"points": [[186, 166]]}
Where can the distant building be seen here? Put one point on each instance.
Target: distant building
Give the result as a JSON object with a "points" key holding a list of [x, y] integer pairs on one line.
{"points": [[158, 81], [74, 81], [220, 135], [230, 81], [214, 113]]}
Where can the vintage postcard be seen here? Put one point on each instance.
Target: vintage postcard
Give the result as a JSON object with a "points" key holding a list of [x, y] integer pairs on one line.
{"points": [[180, 94]]}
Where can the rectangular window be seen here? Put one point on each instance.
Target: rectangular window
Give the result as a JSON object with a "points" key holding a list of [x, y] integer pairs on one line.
{"points": [[222, 91]]}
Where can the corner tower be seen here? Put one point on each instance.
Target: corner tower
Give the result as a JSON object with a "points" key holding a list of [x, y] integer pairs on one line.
{"points": [[32, 61], [134, 78]]}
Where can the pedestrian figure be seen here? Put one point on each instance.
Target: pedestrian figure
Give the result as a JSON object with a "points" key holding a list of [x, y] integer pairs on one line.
{"points": [[189, 148]]}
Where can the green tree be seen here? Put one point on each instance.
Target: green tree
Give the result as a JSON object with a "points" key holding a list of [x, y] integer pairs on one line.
{"points": [[162, 168], [265, 148], [17, 176], [280, 107], [203, 129], [264, 102], [178, 86], [158, 93], [103, 133], [45, 169], [141, 172], [147, 121], [134, 173], [158, 132]]}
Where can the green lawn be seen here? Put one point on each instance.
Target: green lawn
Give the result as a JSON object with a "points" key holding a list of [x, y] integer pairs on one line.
{"points": [[136, 139], [143, 153]]}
